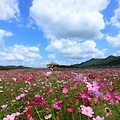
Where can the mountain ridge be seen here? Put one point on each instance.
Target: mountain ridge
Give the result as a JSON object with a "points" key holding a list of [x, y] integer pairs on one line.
{"points": [[100, 62]]}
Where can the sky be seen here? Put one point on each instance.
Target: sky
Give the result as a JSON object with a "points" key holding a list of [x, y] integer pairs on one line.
{"points": [[36, 32]]}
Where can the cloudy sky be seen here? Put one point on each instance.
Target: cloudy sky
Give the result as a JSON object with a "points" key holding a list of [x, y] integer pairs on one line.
{"points": [[36, 32]]}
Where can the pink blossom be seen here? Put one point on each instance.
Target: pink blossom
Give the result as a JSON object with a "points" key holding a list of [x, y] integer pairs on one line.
{"points": [[65, 90], [70, 110], [3, 106], [109, 95], [92, 87], [9, 117], [57, 105], [95, 100], [18, 97], [117, 97], [88, 111], [98, 118]]}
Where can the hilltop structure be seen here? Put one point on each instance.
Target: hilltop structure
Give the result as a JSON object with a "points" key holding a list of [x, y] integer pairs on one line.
{"points": [[52, 65]]}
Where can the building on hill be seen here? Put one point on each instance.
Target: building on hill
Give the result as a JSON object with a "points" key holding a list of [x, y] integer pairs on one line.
{"points": [[52, 65]]}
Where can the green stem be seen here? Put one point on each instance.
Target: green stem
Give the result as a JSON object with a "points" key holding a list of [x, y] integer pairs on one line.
{"points": [[38, 113]]}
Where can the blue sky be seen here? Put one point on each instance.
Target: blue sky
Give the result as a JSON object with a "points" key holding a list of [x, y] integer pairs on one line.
{"points": [[36, 32]]}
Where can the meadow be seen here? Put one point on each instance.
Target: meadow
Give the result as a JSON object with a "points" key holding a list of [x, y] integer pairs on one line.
{"points": [[60, 94]]}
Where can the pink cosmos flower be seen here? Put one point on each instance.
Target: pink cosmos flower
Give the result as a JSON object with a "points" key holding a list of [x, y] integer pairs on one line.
{"points": [[92, 87], [9, 117], [88, 111], [95, 100], [109, 95], [16, 114], [117, 97], [3, 106], [48, 73], [18, 97], [23, 95], [57, 105], [98, 118], [65, 90], [70, 110]]}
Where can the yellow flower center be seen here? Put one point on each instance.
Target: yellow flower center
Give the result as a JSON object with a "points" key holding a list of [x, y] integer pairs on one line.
{"points": [[8, 118], [87, 110], [109, 96], [92, 85], [65, 90]]}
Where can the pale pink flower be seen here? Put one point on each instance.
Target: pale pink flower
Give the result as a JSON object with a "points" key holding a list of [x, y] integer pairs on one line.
{"points": [[92, 87], [88, 111], [23, 95], [65, 90], [48, 73], [3, 106], [9, 117], [16, 114], [18, 97], [98, 118]]}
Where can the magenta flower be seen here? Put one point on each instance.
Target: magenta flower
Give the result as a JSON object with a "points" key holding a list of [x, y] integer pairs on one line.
{"points": [[98, 118], [109, 95], [57, 105], [92, 87], [70, 110], [117, 97], [88, 111], [95, 100], [65, 90]]}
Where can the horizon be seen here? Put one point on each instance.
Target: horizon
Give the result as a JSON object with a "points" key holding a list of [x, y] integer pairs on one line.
{"points": [[34, 33]]}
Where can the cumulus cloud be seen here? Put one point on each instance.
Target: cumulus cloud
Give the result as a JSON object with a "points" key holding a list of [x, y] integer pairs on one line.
{"points": [[3, 34], [75, 50], [115, 20], [8, 9], [68, 19], [114, 41], [20, 53], [52, 56]]}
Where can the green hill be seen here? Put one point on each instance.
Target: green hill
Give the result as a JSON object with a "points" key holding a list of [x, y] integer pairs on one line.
{"points": [[110, 61]]}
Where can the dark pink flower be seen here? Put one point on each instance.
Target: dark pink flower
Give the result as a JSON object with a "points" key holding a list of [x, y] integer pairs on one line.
{"points": [[70, 110]]}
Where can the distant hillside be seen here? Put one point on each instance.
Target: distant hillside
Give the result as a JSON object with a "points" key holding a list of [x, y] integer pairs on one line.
{"points": [[12, 67], [103, 62]]}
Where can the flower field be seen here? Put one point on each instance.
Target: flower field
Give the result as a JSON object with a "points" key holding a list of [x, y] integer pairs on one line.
{"points": [[60, 94]]}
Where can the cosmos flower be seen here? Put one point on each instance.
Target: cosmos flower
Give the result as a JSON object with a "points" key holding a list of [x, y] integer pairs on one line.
{"points": [[28, 114], [95, 100], [48, 116], [65, 90], [9, 117], [48, 73], [88, 111], [3, 106], [70, 110], [98, 118], [57, 105], [92, 87], [117, 97]]}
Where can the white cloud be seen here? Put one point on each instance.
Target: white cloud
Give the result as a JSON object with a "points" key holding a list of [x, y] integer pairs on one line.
{"points": [[52, 56], [114, 41], [20, 53], [75, 50], [115, 20], [78, 19], [3, 34], [8, 9]]}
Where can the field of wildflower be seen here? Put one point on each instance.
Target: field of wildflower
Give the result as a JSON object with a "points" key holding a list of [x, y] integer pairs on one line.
{"points": [[60, 94]]}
